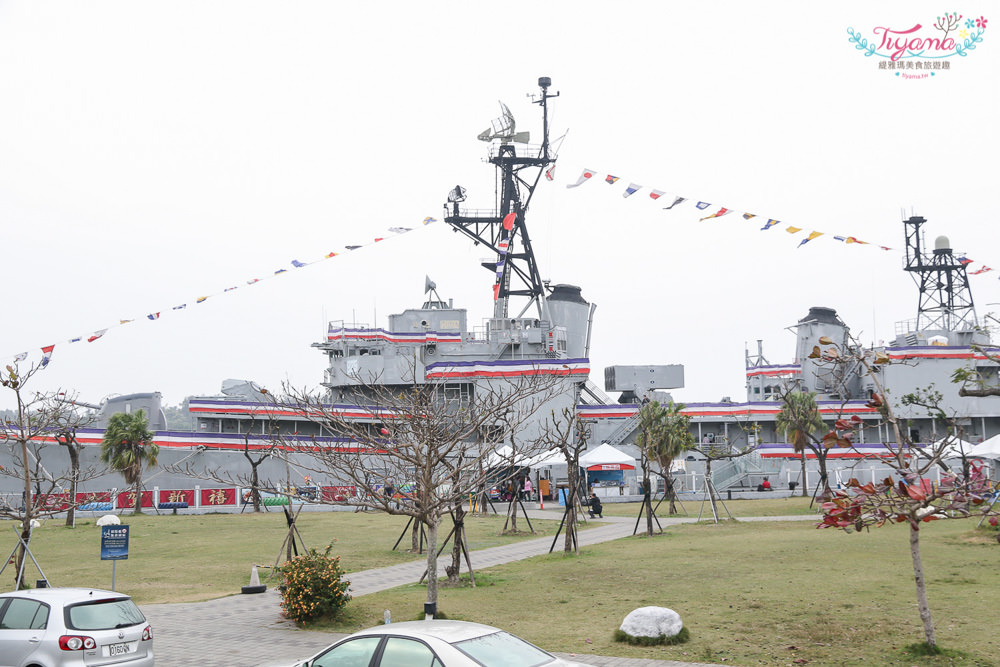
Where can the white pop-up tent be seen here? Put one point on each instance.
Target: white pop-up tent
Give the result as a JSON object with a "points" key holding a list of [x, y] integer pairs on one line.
{"points": [[955, 448], [988, 449], [606, 457]]}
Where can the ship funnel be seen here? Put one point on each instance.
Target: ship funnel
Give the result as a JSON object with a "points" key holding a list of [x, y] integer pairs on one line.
{"points": [[569, 309], [819, 323]]}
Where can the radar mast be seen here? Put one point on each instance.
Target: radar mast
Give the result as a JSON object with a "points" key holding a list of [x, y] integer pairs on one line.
{"points": [[503, 230]]}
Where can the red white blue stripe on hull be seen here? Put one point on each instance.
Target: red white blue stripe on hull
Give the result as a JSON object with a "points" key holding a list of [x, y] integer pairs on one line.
{"points": [[419, 337], [508, 368]]}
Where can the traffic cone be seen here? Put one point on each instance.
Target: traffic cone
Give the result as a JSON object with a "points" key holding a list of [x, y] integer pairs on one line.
{"points": [[255, 585]]}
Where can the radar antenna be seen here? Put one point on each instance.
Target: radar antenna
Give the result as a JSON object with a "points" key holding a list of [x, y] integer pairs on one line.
{"points": [[503, 230]]}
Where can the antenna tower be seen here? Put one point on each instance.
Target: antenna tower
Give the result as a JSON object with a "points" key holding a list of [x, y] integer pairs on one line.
{"points": [[945, 298], [503, 230]]}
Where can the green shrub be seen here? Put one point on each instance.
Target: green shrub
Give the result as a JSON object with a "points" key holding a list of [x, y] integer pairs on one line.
{"points": [[680, 638], [314, 586]]}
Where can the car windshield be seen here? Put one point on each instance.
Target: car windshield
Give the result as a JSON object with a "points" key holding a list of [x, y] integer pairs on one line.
{"points": [[103, 615], [503, 650]]}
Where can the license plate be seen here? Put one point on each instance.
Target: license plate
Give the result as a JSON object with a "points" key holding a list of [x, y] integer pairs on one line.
{"points": [[112, 650]]}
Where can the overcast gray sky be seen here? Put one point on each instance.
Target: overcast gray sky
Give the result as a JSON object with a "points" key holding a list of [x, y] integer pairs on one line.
{"points": [[155, 152]]}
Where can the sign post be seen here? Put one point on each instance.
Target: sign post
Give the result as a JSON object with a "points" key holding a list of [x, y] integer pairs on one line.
{"points": [[114, 547]]}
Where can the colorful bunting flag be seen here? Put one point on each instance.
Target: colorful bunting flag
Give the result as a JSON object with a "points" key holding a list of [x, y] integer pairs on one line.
{"points": [[180, 307], [46, 355], [230, 289], [747, 216], [328, 256], [508, 220], [584, 177], [702, 205], [76, 340], [793, 230], [550, 173], [201, 299], [770, 223], [20, 357], [984, 269], [718, 214], [812, 235], [352, 247], [656, 194], [298, 265], [611, 180], [153, 316], [677, 201], [397, 230], [96, 335], [275, 273], [428, 220], [124, 321], [631, 189], [964, 260], [839, 238]]}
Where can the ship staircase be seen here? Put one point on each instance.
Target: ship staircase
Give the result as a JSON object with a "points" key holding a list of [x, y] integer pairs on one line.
{"points": [[734, 472], [591, 394]]}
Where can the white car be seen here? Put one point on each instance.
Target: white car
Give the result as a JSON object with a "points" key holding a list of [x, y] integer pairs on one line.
{"points": [[73, 627], [433, 644]]}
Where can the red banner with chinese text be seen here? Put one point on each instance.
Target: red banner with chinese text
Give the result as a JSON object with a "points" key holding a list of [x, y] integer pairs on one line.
{"points": [[126, 499], [218, 497]]}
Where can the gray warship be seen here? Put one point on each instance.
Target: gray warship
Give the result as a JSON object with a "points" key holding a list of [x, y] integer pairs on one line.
{"points": [[540, 327]]}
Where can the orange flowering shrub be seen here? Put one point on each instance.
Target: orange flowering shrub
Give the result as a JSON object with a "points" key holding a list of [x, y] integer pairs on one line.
{"points": [[314, 586]]}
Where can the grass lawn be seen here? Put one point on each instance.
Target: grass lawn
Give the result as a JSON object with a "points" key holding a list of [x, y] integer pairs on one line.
{"points": [[185, 558], [763, 507], [750, 594]]}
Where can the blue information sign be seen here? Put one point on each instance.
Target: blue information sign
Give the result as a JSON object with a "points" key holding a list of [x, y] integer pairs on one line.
{"points": [[114, 542]]}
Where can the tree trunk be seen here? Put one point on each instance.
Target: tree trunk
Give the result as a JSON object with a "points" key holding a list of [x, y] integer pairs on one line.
{"points": [[648, 501], [805, 490], [28, 514], [672, 494], [74, 463], [512, 512], [138, 496], [255, 487], [918, 578], [415, 537], [572, 478], [432, 563], [711, 489], [456, 551]]}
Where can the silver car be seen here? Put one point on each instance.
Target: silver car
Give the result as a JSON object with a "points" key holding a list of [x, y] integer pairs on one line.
{"points": [[434, 644], [72, 627]]}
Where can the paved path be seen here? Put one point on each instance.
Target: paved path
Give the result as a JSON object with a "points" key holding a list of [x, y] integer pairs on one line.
{"points": [[249, 631]]}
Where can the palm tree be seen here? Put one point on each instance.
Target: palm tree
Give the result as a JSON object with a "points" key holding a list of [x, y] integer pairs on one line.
{"points": [[650, 440], [677, 438], [127, 446], [799, 419]]}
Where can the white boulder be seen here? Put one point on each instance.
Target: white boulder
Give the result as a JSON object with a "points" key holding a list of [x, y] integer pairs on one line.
{"points": [[652, 622], [109, 520]]}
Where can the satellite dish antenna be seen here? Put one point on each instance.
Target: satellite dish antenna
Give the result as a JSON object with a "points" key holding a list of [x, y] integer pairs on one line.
{"points": [[504, 129]]}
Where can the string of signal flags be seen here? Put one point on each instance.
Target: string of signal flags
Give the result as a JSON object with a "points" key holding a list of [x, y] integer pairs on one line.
{"points": [[675, 200], [47, 350]]}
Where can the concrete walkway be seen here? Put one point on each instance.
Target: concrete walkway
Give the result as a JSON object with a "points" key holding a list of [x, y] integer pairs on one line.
{"points": [[249, 631]]}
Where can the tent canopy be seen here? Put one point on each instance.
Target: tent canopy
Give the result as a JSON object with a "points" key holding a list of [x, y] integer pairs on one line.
{"points": [[988, 449], [607, 457], [955, 447]]}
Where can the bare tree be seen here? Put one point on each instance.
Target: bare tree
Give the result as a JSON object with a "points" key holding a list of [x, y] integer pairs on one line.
{"points": [[435, 445], [567, 432], [39, 419], [67, 424]]}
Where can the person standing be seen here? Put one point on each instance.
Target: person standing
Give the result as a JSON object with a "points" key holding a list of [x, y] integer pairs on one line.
{"points": [[527, 487]]}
